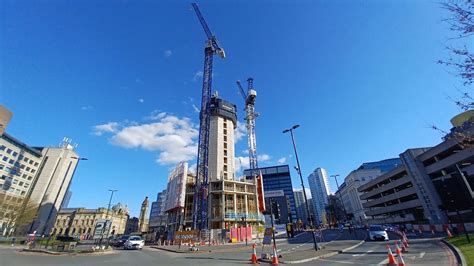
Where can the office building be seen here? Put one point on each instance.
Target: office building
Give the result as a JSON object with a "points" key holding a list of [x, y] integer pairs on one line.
{"points": [[81, 222], [275, 180], [300, 205], [66, 200], [433, 185], [319, 186], [33, 182], [158, 216], [348, 193]]}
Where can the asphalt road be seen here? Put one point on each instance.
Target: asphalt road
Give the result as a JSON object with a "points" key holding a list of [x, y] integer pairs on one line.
{"points": [[421, 252]]}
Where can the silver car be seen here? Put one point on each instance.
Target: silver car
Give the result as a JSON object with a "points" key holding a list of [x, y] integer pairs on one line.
{"points": [[134, 242], [377, 232]]}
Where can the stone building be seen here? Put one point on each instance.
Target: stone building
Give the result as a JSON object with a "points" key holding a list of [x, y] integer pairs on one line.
{"points": [[80, 222], [143, 219]]}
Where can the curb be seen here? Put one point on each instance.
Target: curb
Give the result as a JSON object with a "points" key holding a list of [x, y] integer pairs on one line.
{"points": [[42, 251], [457, 253], [178, 251], [55, 253], [320, 256]]}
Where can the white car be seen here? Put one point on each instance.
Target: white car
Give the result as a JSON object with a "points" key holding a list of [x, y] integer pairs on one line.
{"points": [[134, 242], [377, 232]]}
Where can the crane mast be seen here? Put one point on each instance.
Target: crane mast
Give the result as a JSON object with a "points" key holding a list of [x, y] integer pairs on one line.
{"points": [[202, 181], [251, 115]]}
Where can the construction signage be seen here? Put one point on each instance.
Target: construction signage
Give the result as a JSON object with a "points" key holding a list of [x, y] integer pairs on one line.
{"points": [[267, 236], [186, 236]]}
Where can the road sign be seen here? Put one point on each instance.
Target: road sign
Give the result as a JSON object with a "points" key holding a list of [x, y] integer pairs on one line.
{"points": [[267, 236], [101, 228]]}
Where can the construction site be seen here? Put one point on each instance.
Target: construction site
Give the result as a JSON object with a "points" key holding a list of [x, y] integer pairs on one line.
{"points": [[216, 199]]}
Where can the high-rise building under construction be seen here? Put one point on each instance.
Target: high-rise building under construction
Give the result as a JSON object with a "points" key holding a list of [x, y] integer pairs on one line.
{"points": [[231, 202]]}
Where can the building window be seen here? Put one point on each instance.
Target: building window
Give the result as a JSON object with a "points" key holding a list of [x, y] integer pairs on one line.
{"points": [[225, 131], [225, 138], [30, 177], [36, 164], [9, 151], [2, 148], [15, 154], [225, 145], [33, 171], [5, 158], [11, 161]]}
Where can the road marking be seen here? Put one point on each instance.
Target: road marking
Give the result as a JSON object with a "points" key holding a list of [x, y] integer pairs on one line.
{"points": [[422, 254], [363, 254], [337, 261], [384, 262]]}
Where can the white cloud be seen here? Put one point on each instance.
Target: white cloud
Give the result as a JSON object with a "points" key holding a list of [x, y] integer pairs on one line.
{"points": [[87, 107], [173, 137], [240, 131], [197, 75], [110, 127], [281, 160], [193, 168], [263, 157], [156, 115], [141, 100], [242, 163], [168, 53], [196, 109]]}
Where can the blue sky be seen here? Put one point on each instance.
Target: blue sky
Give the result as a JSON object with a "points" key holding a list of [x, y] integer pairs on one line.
{"points": [[121, 78]]}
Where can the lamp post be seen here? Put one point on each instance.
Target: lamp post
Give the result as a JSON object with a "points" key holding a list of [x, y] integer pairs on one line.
{"points": [[107, 218], [302, 183]]}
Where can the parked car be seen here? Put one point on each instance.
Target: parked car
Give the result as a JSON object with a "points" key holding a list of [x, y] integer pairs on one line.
{"points": [[134, 242], [377, 232], [120, 241]]}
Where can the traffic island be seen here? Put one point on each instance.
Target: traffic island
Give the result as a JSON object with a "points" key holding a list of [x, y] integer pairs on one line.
{"points": [[463, 250]]}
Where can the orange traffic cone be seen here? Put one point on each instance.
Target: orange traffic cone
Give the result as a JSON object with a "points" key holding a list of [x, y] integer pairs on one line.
{"points": [[397, 248], [449, 233], [401, 262], [275, 256], [405, 242], [391, 258], [404, 248], [254, 255], [405, 236]]}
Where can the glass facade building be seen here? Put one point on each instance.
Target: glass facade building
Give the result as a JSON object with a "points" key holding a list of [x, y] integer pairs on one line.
{"points": [[277, 178]]}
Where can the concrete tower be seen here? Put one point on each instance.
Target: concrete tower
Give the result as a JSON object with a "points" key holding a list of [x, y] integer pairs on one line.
{"points": [[143, 224], [221, 139]]}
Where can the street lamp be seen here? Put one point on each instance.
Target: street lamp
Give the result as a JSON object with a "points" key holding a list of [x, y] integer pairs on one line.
{"points": [[302, 183], [107, 218]]}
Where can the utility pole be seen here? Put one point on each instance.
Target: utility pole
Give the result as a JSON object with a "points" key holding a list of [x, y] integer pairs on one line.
{"points": [[107, 219], [302, 183]]}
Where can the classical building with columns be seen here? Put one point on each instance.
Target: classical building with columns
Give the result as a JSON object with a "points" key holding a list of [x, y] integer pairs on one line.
{"points": [[80, 222]]}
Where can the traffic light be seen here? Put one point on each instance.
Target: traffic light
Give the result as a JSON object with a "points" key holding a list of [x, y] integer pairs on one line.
{"points": [[276, 210]]}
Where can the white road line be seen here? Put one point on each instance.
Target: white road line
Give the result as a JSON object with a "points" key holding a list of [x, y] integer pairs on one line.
{"points": [[422, 254], [337, 261], [363, 254], [384, 262]]}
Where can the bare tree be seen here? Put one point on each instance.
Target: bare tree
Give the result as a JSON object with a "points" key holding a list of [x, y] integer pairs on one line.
{"points": [[461, 22], [17, 211]]}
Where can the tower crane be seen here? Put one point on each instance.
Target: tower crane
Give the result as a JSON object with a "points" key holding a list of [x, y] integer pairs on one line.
{"points": [[249, 99], [211, 48]]}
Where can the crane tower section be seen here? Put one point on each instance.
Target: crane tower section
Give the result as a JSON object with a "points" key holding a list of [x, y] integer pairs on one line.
{"points": [[250, 117], [201, 189]]}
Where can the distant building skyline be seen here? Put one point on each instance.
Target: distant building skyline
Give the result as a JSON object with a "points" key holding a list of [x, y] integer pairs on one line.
{"points": [[319, 186]]}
